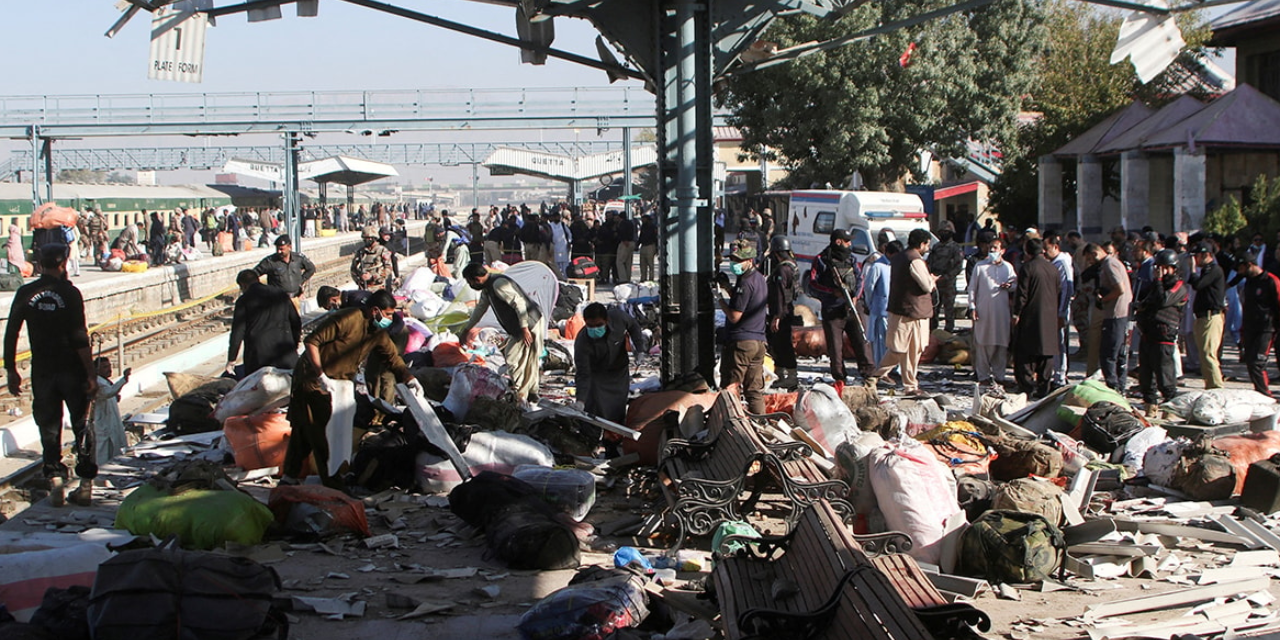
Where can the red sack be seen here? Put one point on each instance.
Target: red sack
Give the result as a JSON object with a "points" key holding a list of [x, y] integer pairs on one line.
{"points": [[258, 442], [780, 402], [347, 512], [572, 326], [448, 354], [1245, 450]]}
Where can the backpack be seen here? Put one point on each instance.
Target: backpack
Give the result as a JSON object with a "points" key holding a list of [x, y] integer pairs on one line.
{"points": [[1030, 495], [1010, 546], [583, 267], [1107, 426], [167, 593], [1017, 458]]}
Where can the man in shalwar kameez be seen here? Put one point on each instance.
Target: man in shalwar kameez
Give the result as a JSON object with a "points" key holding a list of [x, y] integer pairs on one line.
{"points": [[989, 287], [600, 356], [521, 319]]}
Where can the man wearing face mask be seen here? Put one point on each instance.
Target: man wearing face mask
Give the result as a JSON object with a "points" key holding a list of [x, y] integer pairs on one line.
{"points": [[600, 355], [519, 316], [1159, 314], [742, 359], [833, 280], [334, 351]]}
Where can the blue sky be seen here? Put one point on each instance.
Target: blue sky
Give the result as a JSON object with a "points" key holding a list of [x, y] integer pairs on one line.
{"points": [[58, 47]]}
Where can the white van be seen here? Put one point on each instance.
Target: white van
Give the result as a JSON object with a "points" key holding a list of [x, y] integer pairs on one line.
{"points": [[814, 214]]}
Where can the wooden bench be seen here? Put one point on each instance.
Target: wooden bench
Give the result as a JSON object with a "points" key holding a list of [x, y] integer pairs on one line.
{"points": [[704, 481], [812, 583], [816, 582]]}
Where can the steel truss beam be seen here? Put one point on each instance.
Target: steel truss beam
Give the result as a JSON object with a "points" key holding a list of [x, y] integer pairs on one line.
{"points": [[206, 158]]}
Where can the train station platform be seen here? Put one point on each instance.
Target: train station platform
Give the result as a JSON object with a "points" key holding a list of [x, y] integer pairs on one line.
{"points": [[111, 297]]}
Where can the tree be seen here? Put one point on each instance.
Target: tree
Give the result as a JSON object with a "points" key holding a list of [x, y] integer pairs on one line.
{"points": [[1226, 220], [1076, 88], [1262, 208], [873, 105], [81, 175]]}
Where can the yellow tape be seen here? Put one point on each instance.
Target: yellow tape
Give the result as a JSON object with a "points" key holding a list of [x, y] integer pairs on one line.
{"points": [[121, 318]]}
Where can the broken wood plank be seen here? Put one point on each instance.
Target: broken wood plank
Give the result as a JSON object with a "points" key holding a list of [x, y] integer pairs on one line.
{"points": [[1175, 598]]}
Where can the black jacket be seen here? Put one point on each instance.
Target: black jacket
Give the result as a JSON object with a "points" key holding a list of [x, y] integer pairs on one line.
{"points": [[267, 324], [1210, 286]]}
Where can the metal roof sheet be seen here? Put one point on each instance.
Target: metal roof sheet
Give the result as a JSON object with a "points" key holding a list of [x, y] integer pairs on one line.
{"points": [[1247, 14], [1243, 118], [1114, 125], [1167, 116]]}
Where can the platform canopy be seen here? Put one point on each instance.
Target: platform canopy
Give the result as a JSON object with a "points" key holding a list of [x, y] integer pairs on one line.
{"points": [[510, 160], [336, 169], [345, 170]]}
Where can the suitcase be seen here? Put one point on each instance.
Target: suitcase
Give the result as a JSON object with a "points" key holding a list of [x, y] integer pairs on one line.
{"points": [[1261, 490]]}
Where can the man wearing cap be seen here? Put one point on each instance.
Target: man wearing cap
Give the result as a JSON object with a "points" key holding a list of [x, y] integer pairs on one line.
{"points": [[910, 307], [285, 269], [783, 280], [371, 265], [1260, 304], [742, 360], [945, 261], [1209, 307], [833, 280], [1159, 314]]}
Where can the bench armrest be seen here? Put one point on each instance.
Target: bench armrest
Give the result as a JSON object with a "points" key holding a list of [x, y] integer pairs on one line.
{"points": [[955, 621], [878, 544], [789, 451], [772, 623], [687, 449]]}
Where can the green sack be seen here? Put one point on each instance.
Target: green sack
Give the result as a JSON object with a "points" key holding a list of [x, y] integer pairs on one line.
{"points": [[1010, 546], [201, 519], [1085, 395], [731, 528]]}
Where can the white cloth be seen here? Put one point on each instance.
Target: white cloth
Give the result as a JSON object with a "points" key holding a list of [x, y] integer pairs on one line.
{"points": [[341, 428], [990, 362], [990, 302], [108, 429]]}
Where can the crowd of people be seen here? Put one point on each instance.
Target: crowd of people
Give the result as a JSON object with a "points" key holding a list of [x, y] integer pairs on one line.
{"points": [[1170, 301]]}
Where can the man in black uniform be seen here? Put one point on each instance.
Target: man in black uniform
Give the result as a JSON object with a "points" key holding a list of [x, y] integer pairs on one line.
{"points": [[1159, 315], [783, 279], [1210, 285], [1260, 304], [286, 269], [832, 279], [62, 369], [266, 323]]}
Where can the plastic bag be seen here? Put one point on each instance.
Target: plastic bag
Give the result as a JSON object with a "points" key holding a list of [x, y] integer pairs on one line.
{"points": [[917, 494], [853, 465], [419, 334], [265, 389], [572, 491], [588, 610], [1220, 406], [1160, 462], [822, 413], [1135, 450], [202, 519], [469, 382], [731, 528], [496, 451], [25, 576]]}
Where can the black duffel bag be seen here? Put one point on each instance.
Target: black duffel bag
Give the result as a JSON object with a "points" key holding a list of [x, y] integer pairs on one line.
{"points": [[1107, 426]]}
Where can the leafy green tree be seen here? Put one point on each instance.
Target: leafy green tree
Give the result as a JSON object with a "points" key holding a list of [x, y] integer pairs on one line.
{"points": [[859, 108], [1076, 88], [1227, 219], [1263, 208]]}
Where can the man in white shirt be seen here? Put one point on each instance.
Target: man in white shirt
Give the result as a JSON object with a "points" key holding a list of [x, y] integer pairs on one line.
{"points": [[993, 278]]}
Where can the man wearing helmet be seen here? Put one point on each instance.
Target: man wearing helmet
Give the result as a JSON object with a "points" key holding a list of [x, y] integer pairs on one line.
{"points": [[1159, 315], [783, 280], [371, 266]]}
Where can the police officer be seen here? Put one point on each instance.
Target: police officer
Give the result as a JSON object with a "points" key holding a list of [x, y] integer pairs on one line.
{"points": [[286, 269], [1260, 304], [62, 369], [783, 280], [1159, 314], [833, 280]]}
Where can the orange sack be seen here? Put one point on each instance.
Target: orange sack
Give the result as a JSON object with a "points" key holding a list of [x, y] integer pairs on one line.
{"points": [[572, 326], [811, 343], [347, 512], [644, 414], [258, 442]]}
